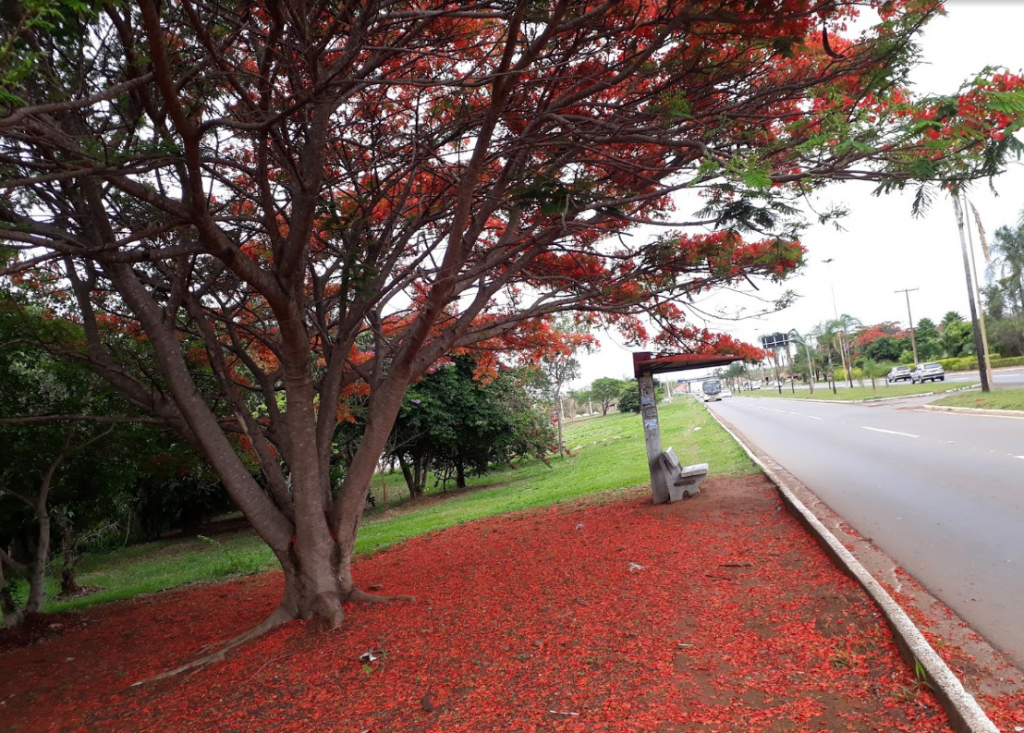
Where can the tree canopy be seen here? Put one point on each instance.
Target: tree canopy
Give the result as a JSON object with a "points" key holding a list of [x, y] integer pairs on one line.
{"points": [[259, 210]]}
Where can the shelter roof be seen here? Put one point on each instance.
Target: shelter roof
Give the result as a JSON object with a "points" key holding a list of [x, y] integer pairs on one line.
{"points": [[646, 362]]}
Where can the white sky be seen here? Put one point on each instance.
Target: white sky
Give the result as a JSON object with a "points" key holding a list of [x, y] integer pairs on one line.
{"points": [[883, 248]]}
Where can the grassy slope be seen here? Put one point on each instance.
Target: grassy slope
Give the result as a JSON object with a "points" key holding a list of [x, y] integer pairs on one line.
{"points": [[997, 399], [848, 394], [608, 454]]}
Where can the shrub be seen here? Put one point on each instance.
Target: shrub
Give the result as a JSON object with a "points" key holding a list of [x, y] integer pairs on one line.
{"points": [[629, 401]]}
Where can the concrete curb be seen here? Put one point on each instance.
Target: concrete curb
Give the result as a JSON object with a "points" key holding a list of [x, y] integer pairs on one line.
{"points": [[963, 711], [975, 411]]}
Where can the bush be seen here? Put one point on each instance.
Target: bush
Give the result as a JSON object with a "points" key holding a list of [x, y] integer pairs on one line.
{"points": [[629, 400], [1006, 361], [970, 363]]}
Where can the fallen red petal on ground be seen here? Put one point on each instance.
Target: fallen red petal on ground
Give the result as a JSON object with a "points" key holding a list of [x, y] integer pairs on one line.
{"points": [[718, 613]]}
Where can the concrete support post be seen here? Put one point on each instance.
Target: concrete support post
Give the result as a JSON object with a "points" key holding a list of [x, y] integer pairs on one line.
{"points": [[652, 437]]}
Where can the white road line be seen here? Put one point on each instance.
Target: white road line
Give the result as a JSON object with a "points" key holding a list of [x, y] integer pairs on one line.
{"points": [[891, 432], [1021, 457], [798, 414]]}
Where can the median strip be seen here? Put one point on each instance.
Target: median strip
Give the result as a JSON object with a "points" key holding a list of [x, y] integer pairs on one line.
{"points": [[891, 432]]}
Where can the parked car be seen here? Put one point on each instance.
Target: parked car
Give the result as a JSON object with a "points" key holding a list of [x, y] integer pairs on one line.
{"points": [[898, 374], [932, 371]]}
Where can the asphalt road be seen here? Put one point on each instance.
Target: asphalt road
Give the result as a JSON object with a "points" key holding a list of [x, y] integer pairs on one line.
{"points": [[1004, 377], [941, 493]]}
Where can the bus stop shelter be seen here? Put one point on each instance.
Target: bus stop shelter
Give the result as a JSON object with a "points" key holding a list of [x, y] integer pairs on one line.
{"points": [[645, 365]]}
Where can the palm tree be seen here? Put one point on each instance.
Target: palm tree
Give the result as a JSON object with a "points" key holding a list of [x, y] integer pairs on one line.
{"points": [[843, 326], [804, 342], [1008, 250], [950, 317], [826, 335]]}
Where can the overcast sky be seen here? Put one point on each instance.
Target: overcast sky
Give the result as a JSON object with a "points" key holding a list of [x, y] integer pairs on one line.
{"points": [[883, 248]]}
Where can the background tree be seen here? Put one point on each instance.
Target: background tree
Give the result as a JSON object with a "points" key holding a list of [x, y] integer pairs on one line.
{"points": [[1007, 337], [926, 329], [629, 397], [606, 391], [950, 317], [560, 368], [736, 372], [873, 370], [884, 349], [1006, 271], [958, 339], [56, 488], [581, 399], [293, 203], [454, 425], [929, 340]]}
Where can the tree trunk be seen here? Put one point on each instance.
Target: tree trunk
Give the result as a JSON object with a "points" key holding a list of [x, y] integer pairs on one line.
{"points": [[11, 614], [37, 578], [460, 475], [69, 559], [410, 480]]}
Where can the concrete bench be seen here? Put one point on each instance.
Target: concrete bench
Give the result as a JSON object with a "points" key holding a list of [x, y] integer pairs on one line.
{"points": [[683, 481]]}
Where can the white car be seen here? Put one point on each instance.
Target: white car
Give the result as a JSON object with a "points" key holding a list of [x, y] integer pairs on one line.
{"points": [[726, 393]]}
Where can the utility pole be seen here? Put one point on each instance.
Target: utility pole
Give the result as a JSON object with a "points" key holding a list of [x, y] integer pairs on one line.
{"points": [[984, 364], [979, 347], [913, 341]]}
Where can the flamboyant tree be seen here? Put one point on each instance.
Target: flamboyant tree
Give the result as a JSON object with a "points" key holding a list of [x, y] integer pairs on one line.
{"points": [[258, 209]]}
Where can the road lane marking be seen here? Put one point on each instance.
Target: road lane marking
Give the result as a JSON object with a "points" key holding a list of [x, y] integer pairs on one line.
{"points": [[798, 414], [891, 432], [1021, 457]]}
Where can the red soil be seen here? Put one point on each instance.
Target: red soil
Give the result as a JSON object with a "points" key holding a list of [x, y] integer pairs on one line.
{"points": [[718, 613]]}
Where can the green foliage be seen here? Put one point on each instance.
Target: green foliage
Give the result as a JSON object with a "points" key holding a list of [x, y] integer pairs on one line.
{"points": [[958, 339], [606, 391], [230, 562], [926, 329], [608, 456], [1007, 336], [456, 426], [884, 348], [176, 491], [970, 363], [629, 399], [950, 317], [1006, 272]]}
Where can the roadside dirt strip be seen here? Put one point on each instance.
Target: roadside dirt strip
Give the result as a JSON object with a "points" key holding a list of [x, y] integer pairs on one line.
{"points": [[964, 712]]}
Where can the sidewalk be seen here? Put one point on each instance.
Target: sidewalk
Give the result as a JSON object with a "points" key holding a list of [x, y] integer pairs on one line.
{"points": [[719, 613]]}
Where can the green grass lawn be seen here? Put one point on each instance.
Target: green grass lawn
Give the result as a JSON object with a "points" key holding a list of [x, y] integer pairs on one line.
{"points": [[997, 399], [850, 394], [608, 454]]}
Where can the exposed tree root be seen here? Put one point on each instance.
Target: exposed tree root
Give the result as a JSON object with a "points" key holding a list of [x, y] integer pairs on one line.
{"points": [[278, 617], [360, 595]]}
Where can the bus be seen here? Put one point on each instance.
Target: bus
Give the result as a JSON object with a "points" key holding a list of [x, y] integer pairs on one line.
{"points": [[712, 390]]}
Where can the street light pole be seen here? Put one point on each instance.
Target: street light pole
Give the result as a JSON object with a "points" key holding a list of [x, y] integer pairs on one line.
{"points": [[913, 341]]}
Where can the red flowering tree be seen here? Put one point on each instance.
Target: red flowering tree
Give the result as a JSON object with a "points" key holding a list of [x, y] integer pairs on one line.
{"points": [[283, 202]]}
